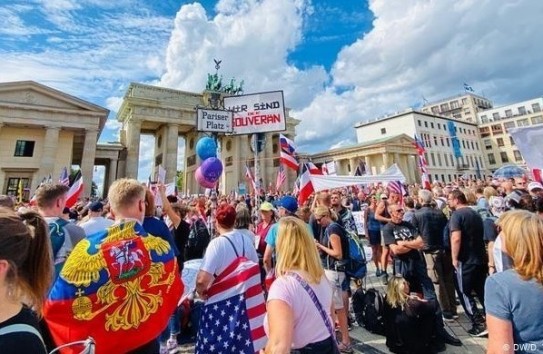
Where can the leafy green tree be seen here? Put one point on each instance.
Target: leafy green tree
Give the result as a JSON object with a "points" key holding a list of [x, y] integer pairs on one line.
{"points": [[180, 179]]}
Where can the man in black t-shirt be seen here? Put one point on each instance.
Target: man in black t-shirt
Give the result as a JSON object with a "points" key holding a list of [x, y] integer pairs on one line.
{"points": [[405, 243], [468, 258]]}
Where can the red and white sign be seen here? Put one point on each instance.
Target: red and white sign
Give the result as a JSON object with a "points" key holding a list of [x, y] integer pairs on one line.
{"points": [[257, 113]]}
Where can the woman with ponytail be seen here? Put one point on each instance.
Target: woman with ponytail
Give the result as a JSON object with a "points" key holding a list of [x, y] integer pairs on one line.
{"points": [[26, 273]]}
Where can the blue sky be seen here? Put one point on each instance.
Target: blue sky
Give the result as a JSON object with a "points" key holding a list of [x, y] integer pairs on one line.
{"points": [[338, 61]]}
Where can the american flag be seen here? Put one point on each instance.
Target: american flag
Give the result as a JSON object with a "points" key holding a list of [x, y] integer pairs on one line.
{"points": [[287, 154], [281, 177], [233, 315], [64, 177], [423, 165], [398, 188]]}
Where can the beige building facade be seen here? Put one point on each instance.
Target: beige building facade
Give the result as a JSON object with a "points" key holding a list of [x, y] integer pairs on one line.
{"points": [[43, 130], [463, 107], [378, 155], [499, 146], [440, 136]]}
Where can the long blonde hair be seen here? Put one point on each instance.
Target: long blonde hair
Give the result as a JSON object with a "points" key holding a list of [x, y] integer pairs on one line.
{"points": [[522, 233], [396, 296], [296, 250]]}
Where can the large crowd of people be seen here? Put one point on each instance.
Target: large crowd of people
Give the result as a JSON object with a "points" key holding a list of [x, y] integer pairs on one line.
{"points": [[110, 270]]}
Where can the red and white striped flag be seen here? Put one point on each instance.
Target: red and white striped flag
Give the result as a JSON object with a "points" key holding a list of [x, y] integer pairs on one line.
{"points": [[287, 154], [233, 315], [306, 187], [423, 165], [249, 176], [314, 170], [281, 177], [75, 190]]}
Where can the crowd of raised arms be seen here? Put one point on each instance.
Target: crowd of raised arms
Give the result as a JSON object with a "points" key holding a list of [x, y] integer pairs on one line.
{"points": [[139, 269]]}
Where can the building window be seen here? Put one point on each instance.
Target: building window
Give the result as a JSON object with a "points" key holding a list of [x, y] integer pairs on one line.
{"points": [[433, 159], [472, 146], [484, 119], [480, 162], [452, 160], [508, 125], [454, 105], [537, 119], [485, 131], [504, 157], [418, 121], [522, 110], [499, 141], [488, 144], [463, 144], [523, 122], [13, 187], [536, 107], [24, 148], [435, 140], [495, 115], [438, 125], [491, 159], [435, 110], [426, 124], [432, 125], [383, 131], [518, 156], [442, 141], [477, 145], [444, 107], [445, 127], [508, 113], [448, 142], [446, 160], [464, 101], [497, 129], [439, 159]]}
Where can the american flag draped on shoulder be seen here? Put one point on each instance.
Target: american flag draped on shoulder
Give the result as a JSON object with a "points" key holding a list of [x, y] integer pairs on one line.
{"points": [[398, 188], [233, 315]]}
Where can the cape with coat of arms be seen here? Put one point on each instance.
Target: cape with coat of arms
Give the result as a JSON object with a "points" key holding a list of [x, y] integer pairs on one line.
{"points": [[119, 286]]}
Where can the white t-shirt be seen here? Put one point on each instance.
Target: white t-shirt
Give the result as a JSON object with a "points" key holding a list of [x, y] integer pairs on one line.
{"points": [[220, 254], [309, 326], [96, 224]]}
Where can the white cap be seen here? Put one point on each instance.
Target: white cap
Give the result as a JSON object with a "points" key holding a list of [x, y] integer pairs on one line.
{"points": [[534, 185]]}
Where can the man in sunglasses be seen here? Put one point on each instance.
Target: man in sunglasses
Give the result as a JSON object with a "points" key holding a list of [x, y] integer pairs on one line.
{"points": [[405, 243]]}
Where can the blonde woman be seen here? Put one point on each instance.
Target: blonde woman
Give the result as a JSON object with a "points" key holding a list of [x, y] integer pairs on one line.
{"points": [[331, 246], [293, 320], [409, 320], [513, 298]]}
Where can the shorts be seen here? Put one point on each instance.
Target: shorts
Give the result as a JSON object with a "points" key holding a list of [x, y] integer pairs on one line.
{"points": [[346, 283], [374, 237], [335, 279]]}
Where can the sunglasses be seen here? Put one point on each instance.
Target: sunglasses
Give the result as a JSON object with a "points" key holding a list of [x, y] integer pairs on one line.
{"points": [[399, 210]]}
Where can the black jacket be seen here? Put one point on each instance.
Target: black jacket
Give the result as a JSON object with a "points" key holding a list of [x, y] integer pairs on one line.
{"points": [[430, 223]]}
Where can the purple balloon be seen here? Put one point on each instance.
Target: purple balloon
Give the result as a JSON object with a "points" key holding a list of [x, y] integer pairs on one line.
{"points": [[201, 179], [211, 169]]}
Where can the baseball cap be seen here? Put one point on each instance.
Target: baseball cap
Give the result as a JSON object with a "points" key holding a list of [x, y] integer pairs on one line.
{"points": [[96, 206], [288, 202], [266, 206], [534, 185], [383, 196]]}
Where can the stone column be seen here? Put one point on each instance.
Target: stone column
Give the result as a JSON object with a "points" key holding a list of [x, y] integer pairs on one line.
{"points": [[49, 152], [386, 162], [238, 162], [267, 163], [353, 164], [87, 160], [170, 157], [112, 172], [133, 148]]}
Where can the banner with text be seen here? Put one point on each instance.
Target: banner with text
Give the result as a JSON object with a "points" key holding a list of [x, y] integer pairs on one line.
{"points": [[257, 113]]}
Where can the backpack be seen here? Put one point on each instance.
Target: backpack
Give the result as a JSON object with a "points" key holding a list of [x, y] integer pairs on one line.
{"points": [[356, 261], [484, 213], [368, 308], [58, 237], [199, 237]]}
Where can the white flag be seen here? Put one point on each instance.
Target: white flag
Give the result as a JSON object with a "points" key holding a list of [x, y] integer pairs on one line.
{"points": [[161, 174], [529, 141]]}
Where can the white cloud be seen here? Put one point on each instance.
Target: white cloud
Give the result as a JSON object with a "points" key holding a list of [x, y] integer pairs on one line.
{"points": [[252, 38], [114, 103], [427, 48], [146, 160]]}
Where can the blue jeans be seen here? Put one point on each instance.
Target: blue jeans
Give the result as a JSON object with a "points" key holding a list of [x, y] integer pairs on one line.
{"points": [[174, 326]]}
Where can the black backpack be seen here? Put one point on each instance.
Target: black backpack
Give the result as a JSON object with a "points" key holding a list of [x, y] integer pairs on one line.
{"points": [[368, 308], [199, 237]]}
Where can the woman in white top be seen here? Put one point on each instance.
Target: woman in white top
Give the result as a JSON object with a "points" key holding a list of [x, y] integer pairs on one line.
{"points": [[293, 319]]}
